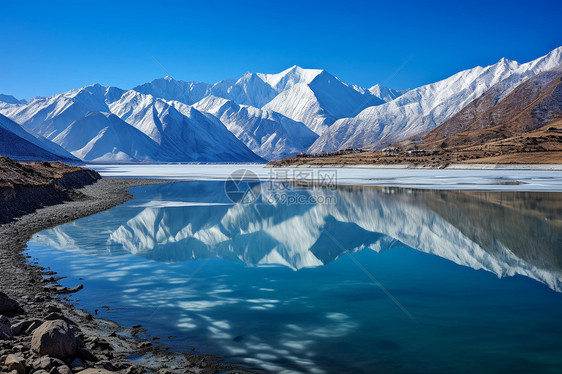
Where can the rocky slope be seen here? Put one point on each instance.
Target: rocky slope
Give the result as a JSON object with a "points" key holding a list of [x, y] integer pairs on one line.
{"points": [[25, 187], [535, 103]]}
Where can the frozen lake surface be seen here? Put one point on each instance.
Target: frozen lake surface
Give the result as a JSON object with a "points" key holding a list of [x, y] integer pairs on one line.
{"points": [[541, 178]]}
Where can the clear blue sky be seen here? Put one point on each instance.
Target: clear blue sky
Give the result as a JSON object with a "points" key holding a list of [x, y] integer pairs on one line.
{"points": [[49, 47]]}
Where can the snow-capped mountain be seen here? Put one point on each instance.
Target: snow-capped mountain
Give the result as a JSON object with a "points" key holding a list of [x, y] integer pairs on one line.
{"points": [[424, 108], [311, 96], [385, 93], [256, 115], [19, 144], [168, 88], [147, 128], [274, 115], [315, 97], [250, 89], [535, 103], [188, 135], [105, 137], [51, 115], [268, 134]]}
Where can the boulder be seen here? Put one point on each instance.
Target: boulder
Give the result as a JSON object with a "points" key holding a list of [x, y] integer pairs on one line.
{"points": [[95, 371], [9, 305], [14, 362], [55, 338]]}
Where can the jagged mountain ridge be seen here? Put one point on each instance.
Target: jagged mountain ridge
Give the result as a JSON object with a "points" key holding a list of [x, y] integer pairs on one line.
{"points": [[424, 108], [269, 134], [312, 96], [344, 116], [175, 136], [157, 111]]}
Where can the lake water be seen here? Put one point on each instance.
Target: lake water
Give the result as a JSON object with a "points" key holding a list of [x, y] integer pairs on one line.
{"points": [[353, 279]]}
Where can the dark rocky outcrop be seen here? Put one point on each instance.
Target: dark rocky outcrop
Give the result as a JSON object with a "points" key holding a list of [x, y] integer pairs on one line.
{"points": [[25, 187]]}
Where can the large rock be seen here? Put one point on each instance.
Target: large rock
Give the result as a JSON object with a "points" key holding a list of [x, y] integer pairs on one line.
{"points": [[9, 305], [56, 339]]}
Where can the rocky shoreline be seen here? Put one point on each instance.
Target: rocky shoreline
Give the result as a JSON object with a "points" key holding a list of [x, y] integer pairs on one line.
{"points": [[42, 332]]}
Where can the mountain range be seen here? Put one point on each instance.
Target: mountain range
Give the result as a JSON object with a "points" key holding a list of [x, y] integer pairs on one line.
{"points": [[262, 117], [425, 108]]}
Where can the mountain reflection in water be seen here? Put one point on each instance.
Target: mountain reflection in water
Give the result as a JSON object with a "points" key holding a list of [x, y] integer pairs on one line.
{"points": [[505, 233]]}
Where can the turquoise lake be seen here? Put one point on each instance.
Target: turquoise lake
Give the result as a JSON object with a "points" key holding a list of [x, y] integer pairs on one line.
{"points": [[346, 280]]}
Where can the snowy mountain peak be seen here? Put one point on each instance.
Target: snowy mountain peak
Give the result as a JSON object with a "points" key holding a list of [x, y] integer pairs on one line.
{"points": [[385, 93], [289, 77], [268, 134], [169, 89]]}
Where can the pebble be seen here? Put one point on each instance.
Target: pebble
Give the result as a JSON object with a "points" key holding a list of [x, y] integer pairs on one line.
{"points": [[14, 362]]}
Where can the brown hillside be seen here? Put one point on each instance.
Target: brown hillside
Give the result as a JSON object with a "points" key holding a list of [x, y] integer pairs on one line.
{"points": [[533, 104]]}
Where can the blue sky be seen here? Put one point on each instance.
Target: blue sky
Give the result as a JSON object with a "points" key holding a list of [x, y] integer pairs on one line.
{"points": [[50, 47]]}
